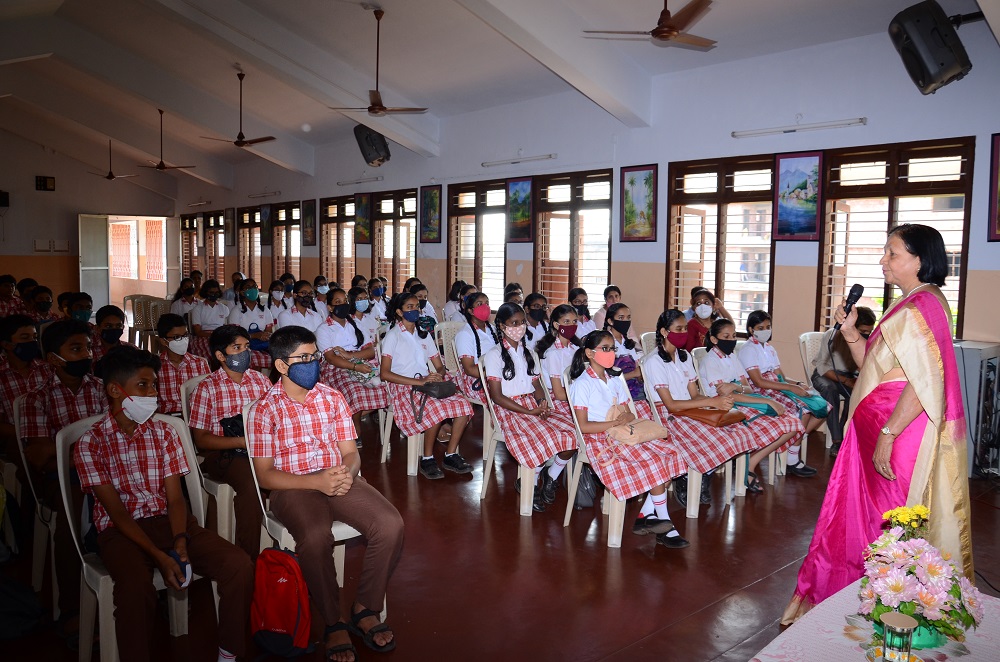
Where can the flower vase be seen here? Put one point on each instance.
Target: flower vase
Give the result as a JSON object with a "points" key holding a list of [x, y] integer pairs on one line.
{"points": [[924, 637]]}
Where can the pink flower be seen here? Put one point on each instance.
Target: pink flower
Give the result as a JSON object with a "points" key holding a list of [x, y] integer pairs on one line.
{"points": [[972, 599], [896, 586], [933, 571], [930, 603]]}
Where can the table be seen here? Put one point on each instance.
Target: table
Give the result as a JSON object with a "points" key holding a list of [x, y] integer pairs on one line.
{"points": [[833, 632]]}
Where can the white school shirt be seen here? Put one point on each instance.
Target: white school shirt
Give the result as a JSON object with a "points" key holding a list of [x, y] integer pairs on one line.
{"points": [[322, 309], [717, 368], [635, 352], [229, 295], [597, 396], [450, 310], [275, 309], [182, 307], [378, 309], [465, 342], [583, 328], [409, 352], [522, 383], [537, 333], [331, 334], [258, 315], [368, 325], [555, 362], [675, 376], [292, 317], [428, 311], [755, 354], [209, 318]]}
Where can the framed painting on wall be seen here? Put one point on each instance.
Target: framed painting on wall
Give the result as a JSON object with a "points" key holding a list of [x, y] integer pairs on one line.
{"points": [[797, 196], [430, 214], [363, 218], [308, 222], [637, 218], [520, 227], [994, 234], [230, 226], [265, 225]]}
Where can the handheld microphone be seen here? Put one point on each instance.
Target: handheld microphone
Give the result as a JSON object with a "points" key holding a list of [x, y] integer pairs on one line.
{"points": [[852, 298]]}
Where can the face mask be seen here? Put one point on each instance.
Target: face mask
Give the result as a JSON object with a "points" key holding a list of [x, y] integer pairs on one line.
{"points": [[481, 312], [289, 288], [341, 310], [212, 296], [111, 336], [422, 303], [187, 292], [605, 359], [27, 351], [865, 335], [567, 331], [179, 345], [378, 292], [43, 306], [762, 336], [252, 294], [77, 368], [323, 289], [727, 347], [139, 409], [677, 339], [537, 314], [306, 301], [411, 315], [277, 294], [239, 362], [515, 333], [621, 326], [703, 311], [304, 374], [81, 315], [361, 305], [582, 310]]}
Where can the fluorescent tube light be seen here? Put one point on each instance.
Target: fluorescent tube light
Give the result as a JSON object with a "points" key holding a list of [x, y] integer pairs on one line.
{"points": [[265, 194], [363, 180], [519, 159], [796, 128]]}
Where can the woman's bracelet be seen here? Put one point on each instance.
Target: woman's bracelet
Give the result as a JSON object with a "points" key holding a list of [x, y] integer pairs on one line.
{"points": [[858, 339]]}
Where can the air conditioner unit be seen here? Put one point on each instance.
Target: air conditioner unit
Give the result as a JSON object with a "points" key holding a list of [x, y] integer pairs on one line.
{"points": [[979, 369]]}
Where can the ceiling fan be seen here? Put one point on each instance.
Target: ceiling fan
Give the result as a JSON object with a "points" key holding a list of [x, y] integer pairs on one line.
{"points": [[671, 28], [161, 166], [241, 140], [377, 108], [111, 176]]}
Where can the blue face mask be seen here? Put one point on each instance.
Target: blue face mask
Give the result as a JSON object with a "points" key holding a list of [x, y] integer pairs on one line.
{"points": [[304, 374], [378, 292], [82, 315], [361, 305], [239, 362], [411, 315]]}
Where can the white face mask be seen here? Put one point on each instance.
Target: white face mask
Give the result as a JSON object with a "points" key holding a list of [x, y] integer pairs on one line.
{"points": [[703, 311], [278, 294], [323, 289], [762, 336], [179, 345], [515, 333], [139, 409]]}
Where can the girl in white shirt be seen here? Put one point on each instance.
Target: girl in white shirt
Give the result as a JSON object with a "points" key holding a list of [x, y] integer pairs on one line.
{"points": [[724, 375], [472, 341], [584, 323], [453, 306], [555, 350], [257, 320], [419, 290], [633, 469], [404, 365], [377, 295], [361, 307], [618, 322], [459, 314], [276, 299], [536, 310], [207, 316], [533, 432], [184, 299], [303, 312]]}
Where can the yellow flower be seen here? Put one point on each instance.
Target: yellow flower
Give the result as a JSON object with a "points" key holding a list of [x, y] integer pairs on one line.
{"points": [[914, 524]]}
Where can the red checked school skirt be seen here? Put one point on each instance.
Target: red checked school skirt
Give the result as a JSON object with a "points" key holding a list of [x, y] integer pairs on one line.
{"points": [[767, 429], [435, 410], [530, 439], [465, 383], [199, 347], [708, 447], [786, 400], [359, 397], [635, 469]]}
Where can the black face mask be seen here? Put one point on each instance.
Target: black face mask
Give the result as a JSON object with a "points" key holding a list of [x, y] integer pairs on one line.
{"points": [[77, 368], [111, 336], [187, 291], [342, 310], [727, 347], [306, 301], [422, 303], [212, 296], [621, 326], [43, 306], [537, 314], [582, 311], [27, 351]]}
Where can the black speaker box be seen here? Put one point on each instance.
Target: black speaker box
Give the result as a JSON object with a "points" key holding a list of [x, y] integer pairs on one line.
{"points": [[373, 146], [929, 46], [4, 199]]}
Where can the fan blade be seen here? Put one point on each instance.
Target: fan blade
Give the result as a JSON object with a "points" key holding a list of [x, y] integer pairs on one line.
{"points": [[358, 110], [692, 40], [124, 176], [375, 97], [647, 32], [401, 111], [221, 140], [692, 11], [177, 167], [257, 141], [99, 174]]}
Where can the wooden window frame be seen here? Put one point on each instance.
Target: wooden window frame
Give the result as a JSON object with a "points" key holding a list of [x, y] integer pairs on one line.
{"points": [[281, 264], [398, 198], [248, 218], [479, 209], [340, 274]]}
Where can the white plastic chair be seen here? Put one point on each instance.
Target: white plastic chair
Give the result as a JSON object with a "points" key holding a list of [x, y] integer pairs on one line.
{"points": [[12, 485], [96, 585], [223, 492], [648, 342], [810, 345]]}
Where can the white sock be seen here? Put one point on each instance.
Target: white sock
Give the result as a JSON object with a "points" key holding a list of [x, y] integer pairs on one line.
{"points": [[226, 656], [428, 457], [647, 506], [793, 455], [558, 464], [538, 470], [660, 506]]}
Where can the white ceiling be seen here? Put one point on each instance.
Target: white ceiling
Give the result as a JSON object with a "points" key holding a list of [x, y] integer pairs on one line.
{"points": [[86, 70]]}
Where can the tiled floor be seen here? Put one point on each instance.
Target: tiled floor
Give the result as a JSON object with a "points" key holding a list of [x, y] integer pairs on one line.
{"points": [[479, 582]]}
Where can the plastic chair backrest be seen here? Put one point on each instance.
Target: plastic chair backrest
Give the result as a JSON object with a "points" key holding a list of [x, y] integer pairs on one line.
{"points": [[143, 316], [652, 397], [486, 393], [547, 392], [248, 416], [18, 401], [697, 354], [157, 308], [810, 345], [187, 392], [444, 335], [648, 342]]}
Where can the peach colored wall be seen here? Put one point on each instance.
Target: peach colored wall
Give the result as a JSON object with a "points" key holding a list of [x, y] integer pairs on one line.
{"points": [[521, 271], [364, 266], [310, 268], [642, 285], [981, 319], [434, 274], [793, 312], [59, 273]]}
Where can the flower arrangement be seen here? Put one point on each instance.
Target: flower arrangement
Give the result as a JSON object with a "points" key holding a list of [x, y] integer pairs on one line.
{"points": [[905, 573]]}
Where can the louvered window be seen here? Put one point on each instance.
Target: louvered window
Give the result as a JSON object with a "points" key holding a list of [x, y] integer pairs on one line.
{"points": [[215, 246], [286, 243], [477, 236], [155, 259], [336, 252], [394, 236], [190, 260], [248, 243]]}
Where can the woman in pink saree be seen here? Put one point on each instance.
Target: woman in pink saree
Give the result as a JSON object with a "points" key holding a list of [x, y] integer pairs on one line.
{"points": [[905, 442]]}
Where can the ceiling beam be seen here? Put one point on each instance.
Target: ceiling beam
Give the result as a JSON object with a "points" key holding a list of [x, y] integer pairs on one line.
{"points": [[308, 68], [991, 10], [551, 32]]}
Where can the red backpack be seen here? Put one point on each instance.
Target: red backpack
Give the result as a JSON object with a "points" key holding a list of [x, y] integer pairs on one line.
{"points": [[280, 621]]}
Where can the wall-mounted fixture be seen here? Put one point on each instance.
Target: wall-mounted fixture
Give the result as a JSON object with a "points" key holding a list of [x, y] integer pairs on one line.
{"points": [[796, 128]]}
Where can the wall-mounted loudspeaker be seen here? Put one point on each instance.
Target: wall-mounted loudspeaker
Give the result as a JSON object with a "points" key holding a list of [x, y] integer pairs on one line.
{"points": [[373, 145], [929, 46]]}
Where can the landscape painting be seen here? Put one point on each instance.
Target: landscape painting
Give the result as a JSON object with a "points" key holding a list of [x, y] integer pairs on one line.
{"points": [[797, 196], [362, 218], [430, 214], [519, 223], [638, 210]]}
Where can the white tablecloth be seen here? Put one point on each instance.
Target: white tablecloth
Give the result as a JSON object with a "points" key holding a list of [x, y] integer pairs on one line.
{"points": [[834, 632]]}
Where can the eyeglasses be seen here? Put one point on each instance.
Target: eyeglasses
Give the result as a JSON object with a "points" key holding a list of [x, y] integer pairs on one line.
{"points": [[303, 358], [180, 337], [538, 307], [580, 303], [604, 348]]}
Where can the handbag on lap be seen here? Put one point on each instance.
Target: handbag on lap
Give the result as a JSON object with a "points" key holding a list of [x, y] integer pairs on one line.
{"points": [[437, 390], [713, 416], [814, 403]]}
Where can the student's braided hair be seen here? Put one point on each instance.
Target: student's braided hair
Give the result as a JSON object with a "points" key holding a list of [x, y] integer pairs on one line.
{"points": [[504, 314], [610, 318], [468, 304]]}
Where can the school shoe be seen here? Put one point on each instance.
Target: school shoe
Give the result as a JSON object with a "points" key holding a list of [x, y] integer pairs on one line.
{"points": [[835, 449], [457, 464], [537, 503], [548, 487], [672, 542], [802, 470], [706, 490], [681, 490], [429, 469]]}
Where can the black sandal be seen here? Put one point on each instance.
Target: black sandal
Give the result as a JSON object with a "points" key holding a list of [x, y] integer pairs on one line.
{"points": [[339, 648], [369, 636], [753, 483]]}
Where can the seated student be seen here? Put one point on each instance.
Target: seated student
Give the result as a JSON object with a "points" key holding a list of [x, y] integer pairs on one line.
{"points": [[108, 331], [184, 299], [420, 291], [304, 452], [288, 286], [612, 295], [454, 302], [24, 287], [672, 375], [176, 365], [39, 305], [217, 426], [9, 304], [584, 323], [142, 516], [632, 470], [515, 297], [69, 394], [463, 293], [359, 281], [618, 322], [62, 302], [533, 432], [25, 371], [197, 278], [555, 350], [724, 375], [229, 296], [80, 306], [379, 298], [834, 375], [322, 287], [536, 308], [512, 288], [410, 282], [248, 313], [348, 349], [760, 360], [361, 311], [276, 300], [472, 341], [303, 311], [707, 308], [405, 353], [206, 317]]}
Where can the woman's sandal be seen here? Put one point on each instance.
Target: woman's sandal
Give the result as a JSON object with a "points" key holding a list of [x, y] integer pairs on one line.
{"points": [[339, 648], [753, 483], [369, 636]]}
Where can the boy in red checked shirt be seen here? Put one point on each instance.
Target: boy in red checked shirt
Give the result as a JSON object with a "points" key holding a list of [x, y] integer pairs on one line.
{"points": [[302, 442], [133, 465], [176, 364]]}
